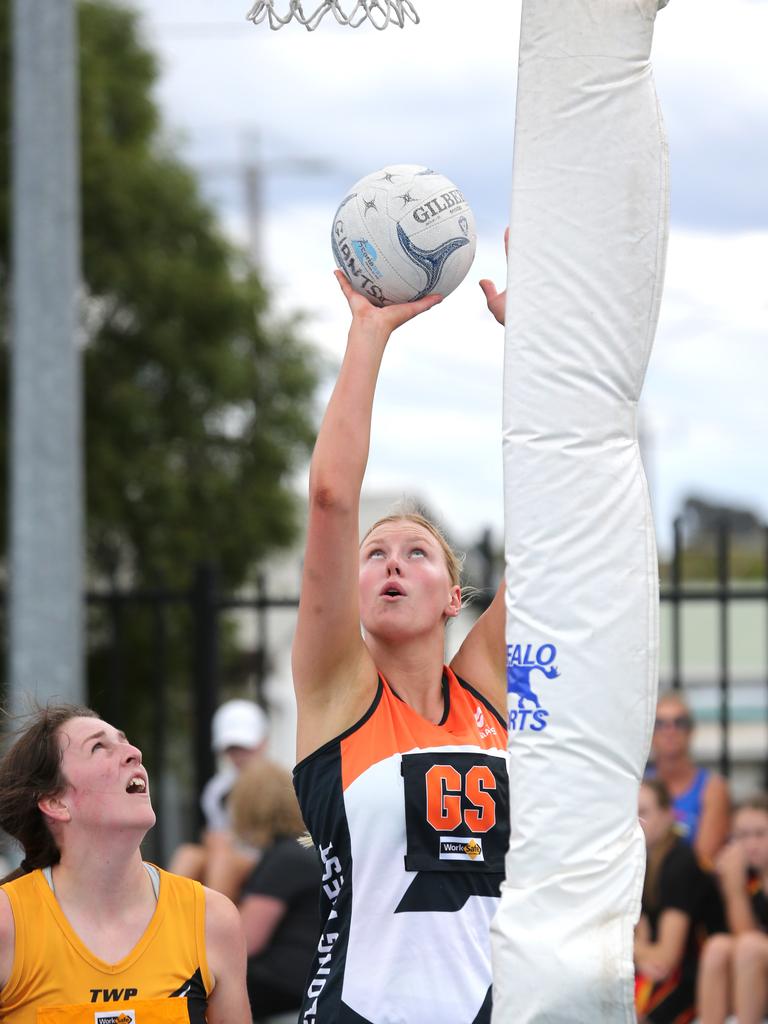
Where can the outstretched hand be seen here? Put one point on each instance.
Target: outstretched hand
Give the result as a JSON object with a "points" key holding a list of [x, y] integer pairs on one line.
{"points": [[385, 318], [497, 301]]}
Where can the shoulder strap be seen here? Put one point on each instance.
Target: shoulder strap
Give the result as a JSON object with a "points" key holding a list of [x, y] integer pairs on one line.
{"points": [[700, 781], [154, 877], [483, 700]]}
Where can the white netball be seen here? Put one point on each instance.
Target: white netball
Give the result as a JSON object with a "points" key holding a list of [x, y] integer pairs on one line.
{"points": [[402, 233]]}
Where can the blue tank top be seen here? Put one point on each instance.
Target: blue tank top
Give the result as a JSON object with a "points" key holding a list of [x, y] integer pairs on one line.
{"points": [[687, 806]]}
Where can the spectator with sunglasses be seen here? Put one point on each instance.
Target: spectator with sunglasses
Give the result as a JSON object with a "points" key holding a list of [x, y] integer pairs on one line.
{"points": [[700, 796]]}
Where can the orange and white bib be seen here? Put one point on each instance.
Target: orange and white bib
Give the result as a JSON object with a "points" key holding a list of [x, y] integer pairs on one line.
{"points": [[411, 820]]}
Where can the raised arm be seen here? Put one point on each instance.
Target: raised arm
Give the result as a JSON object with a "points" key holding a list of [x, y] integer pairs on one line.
{"points": [[482, 658], [333, 673]]}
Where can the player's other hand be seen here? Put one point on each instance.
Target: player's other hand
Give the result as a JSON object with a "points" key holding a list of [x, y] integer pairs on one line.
{"points": [[382, 318], [496, 300]]}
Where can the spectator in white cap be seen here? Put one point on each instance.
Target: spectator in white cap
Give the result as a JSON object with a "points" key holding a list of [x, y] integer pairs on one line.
{"points": [[239, 733]]}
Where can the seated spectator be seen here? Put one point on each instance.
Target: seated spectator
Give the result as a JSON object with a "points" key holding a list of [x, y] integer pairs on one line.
{"points": [[699, 796], [279, 905], [238, 735], [733, 976], [667, 935]]}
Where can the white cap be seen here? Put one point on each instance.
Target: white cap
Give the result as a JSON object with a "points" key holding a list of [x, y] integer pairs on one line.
{"points": [[238, 723]]}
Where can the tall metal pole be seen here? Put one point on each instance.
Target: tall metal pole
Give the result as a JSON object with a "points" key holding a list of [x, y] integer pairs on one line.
{"points": [[46, 545]]}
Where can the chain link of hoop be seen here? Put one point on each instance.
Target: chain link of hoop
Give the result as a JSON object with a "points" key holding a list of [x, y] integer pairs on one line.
{"points": [[379, 12]]}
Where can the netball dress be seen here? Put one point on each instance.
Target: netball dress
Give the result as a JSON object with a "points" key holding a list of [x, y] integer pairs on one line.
{"points": [[411, 820], [55, 979]]}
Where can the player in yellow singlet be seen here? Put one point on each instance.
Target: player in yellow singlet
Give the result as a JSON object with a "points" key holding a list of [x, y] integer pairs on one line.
{"points": [[90, 933]]}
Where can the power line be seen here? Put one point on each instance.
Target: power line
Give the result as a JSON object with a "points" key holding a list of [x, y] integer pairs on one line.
{"points": [[253, 171], [197, 29]]}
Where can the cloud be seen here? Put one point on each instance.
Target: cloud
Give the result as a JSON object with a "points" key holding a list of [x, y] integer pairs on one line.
{"points": [[704, 394], [443, 94], [438, 408], [710, 72]]}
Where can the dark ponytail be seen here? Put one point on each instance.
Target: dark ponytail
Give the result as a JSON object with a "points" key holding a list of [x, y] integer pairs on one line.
{"points": [[29, 771]]}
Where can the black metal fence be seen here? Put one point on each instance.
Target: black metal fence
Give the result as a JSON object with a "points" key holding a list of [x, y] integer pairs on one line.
{"points": [[174, 731], [170, 746], [740, 692]]}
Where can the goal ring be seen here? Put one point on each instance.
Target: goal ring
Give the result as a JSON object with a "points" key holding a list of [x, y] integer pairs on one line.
{"points": [[380, 13]]}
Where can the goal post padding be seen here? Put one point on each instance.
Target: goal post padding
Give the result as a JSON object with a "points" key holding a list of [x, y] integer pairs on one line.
{"points": [[588, 233]]}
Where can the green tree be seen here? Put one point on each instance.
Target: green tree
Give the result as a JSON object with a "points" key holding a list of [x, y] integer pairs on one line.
{"points": [[704, 525], [197, 401]]}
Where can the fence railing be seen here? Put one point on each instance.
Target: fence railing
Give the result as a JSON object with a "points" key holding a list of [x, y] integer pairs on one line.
{"points": [[203, 605], [175, 730], [724, 592]]}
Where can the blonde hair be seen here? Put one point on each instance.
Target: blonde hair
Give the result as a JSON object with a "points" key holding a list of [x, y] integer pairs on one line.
{"points": [[453, 561], [263, 805]]}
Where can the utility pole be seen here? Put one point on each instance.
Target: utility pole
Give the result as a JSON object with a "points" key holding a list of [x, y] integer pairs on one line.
{"points": [[254, 170], [45, 514]]}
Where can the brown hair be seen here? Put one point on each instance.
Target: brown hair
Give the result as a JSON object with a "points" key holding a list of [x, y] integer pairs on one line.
{"points": [[756, 802], [453, 561], [657, 855], [263, 805], [29, 771]]}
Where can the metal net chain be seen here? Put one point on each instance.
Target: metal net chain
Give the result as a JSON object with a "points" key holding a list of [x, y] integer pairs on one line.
{"points": [[380, 13]]}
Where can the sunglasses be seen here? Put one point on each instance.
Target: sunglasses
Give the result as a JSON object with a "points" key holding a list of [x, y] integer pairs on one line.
{"points": [[682, 722]]}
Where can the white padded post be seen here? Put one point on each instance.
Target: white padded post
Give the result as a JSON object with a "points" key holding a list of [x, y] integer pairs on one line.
{"points": [[586, 257]]}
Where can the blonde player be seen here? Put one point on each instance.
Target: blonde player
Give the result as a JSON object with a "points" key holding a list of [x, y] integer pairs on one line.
{"points": [[402, 773]]}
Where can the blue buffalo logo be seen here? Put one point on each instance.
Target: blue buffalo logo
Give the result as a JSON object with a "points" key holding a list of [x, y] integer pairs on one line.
{"points": [[366, 255], [522, 662]]}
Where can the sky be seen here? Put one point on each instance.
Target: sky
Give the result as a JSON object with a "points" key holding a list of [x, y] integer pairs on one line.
{"points": [[312, 113]]}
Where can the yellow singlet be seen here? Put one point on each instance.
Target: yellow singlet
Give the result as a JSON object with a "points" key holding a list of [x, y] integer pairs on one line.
{"points": [[55, 979]]}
